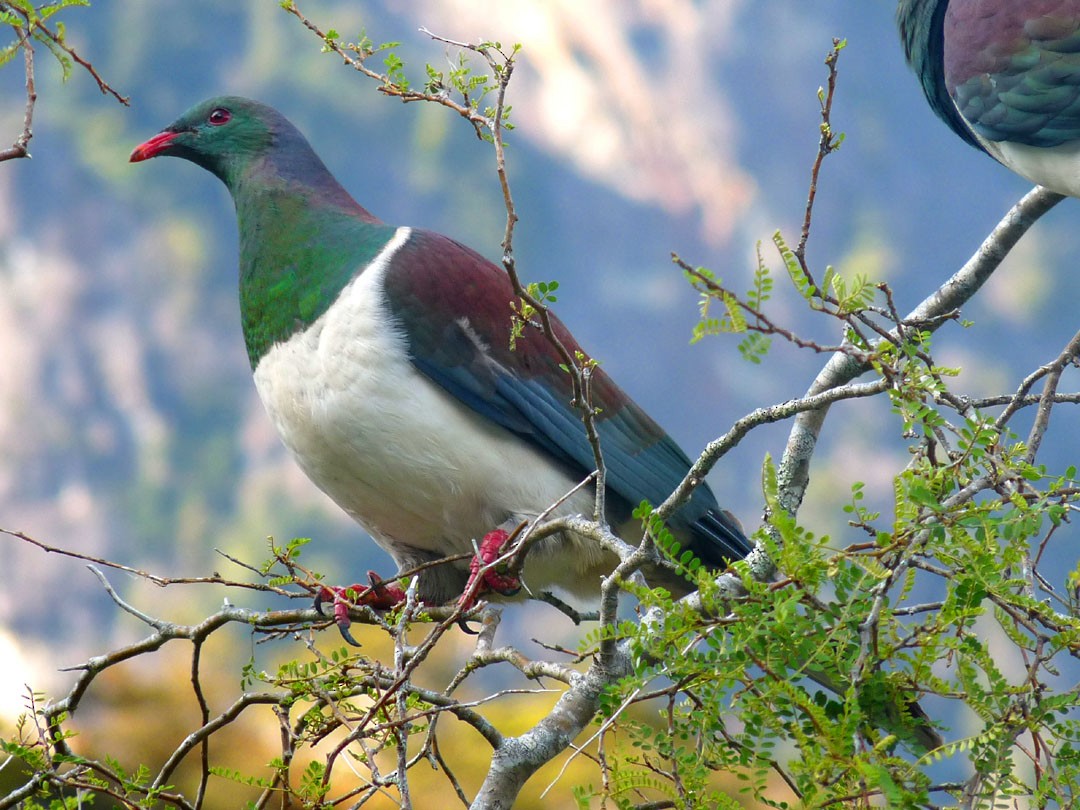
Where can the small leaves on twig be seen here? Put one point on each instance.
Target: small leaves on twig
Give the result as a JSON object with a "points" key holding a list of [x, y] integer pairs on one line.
{"points": [[30, 24]]}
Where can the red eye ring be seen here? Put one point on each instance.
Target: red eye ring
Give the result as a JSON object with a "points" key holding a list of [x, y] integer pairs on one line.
{"points": [[219, 116]]}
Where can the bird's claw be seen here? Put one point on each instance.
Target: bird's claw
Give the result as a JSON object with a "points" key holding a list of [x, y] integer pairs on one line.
{"points": [[463, 626], [504, 582], [382, 594], [379, 594]]}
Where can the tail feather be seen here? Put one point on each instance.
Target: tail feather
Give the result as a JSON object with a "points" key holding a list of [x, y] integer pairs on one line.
{"points": [[719, 539]]}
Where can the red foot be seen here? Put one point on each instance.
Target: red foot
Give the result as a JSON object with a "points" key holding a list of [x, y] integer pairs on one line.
{"points": [[502, 582], [379, 594]]}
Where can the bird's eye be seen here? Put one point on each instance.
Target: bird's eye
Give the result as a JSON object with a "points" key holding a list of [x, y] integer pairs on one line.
{"points": [[219, 116]]}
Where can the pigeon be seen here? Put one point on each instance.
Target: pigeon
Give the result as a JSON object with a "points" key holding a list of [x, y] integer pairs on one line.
{"points": [[384, 358]]}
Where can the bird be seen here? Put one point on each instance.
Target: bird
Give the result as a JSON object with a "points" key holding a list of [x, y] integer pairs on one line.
{"points": [[382, 355], [1005, 76]]}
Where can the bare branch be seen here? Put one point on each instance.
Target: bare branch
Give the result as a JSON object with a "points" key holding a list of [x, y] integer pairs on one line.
{"points": [[827, 144], [1049, 395], [518, 758]]}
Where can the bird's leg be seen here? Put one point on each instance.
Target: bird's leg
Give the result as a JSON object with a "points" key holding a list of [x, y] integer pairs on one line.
{"points": [[379, 594], [500, 579]]}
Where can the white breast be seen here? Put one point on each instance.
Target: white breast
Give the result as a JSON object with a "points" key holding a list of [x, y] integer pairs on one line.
{"points": [[411, 464], [1056, 167]]}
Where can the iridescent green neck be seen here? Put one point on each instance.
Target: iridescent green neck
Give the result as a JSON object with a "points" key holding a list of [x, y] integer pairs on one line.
{"points": [[299, 247]]}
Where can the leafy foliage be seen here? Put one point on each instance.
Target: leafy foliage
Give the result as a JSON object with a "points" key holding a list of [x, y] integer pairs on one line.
{"points": [[876, 621]]}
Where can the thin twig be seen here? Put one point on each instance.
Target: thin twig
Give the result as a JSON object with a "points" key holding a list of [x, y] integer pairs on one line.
{"points": [[32, 28], [1048, 398], [105, 88], [20, 149], [827, 144]]}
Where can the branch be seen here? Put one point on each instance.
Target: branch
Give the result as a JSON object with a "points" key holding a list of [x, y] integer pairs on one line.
{"points": [[827, 144], [156, 579], [794, 471], [518, 758], [1049, 395], [336, 684], [32, 27], [20, 149], [105, 88], [168, 631], [760, 564]]}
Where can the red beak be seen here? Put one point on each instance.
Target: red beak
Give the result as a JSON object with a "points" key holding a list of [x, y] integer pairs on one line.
{"points": [[153, 147]]}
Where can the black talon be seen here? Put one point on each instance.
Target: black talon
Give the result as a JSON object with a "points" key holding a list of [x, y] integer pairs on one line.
{"points": [[345, 634], [463, 624]]}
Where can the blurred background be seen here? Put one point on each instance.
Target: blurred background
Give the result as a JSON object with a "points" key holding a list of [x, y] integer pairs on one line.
{"points": [[129, 426]]}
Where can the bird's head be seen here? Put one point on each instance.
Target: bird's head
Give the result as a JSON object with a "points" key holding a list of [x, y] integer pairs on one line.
{"points": [[223, 135]]}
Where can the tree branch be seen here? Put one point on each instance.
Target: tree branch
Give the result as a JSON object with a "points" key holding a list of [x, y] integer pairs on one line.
{"points": [[32, 27], [20, 149], [842, 368]]}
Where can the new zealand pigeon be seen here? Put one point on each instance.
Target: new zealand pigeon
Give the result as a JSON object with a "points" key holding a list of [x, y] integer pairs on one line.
{"points": [[382, 355], [1005, 76]]}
